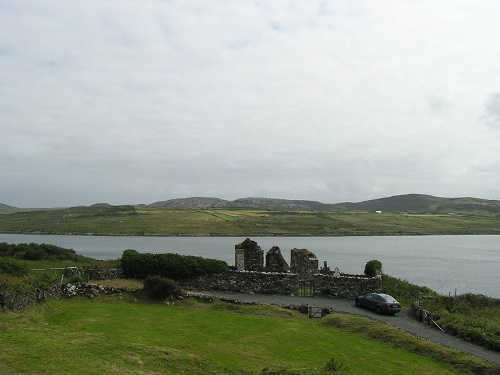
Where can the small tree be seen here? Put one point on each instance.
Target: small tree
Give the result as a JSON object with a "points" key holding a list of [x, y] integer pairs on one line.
{"points": [[372, 268]]}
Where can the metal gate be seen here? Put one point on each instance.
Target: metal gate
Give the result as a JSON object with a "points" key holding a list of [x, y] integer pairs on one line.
{"points": [[306, 288]]}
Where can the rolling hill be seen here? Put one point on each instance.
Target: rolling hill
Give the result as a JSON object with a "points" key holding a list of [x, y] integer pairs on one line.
{"points": [[198, 216], [408, 203]]}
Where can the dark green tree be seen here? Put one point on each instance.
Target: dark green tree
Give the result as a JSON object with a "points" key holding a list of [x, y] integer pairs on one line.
{"points": [[373, 267]]}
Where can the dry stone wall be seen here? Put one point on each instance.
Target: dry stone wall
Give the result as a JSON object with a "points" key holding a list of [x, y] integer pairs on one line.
{"points": [[94, 273], [18, 298], [246, 282], [345, 286], [88, 290], [282, 283]]}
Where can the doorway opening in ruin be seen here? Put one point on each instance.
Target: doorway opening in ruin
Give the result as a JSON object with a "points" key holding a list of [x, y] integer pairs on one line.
{"points": [[306, 288]]}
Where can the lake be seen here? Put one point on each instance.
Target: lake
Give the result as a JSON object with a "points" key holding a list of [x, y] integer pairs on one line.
{"points": [[447, 264]]}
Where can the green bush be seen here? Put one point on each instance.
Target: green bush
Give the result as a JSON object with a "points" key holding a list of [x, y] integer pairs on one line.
{"points": [[372, 268], [157, 287], [174, 266], [34, 251], [404, 291], [13, 267], [335, 366]]}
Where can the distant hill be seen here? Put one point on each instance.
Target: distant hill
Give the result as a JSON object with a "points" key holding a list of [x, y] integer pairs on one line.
{"points": [[191, 203], [6, 209], [198, 216], [255, 203], [421, 203], [408, 203]]}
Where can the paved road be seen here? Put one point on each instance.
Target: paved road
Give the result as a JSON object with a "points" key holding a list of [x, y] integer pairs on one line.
{"points": [[403, 320]]}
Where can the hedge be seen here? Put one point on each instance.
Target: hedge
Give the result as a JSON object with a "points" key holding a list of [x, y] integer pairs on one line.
{"points": [[174, 266]]}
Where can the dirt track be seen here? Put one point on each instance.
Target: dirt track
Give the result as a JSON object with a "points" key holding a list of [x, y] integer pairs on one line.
{"points": [[403, 320]]}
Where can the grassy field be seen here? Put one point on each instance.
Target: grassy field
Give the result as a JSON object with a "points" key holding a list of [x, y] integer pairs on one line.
{"points": [[142, 220], [118, 335]]}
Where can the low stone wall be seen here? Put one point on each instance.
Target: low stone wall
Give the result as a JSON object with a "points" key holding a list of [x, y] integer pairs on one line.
{"points": [[246, 282], [345, 287], [19, 298], [282, 283], [94, 273], [88, 290]]}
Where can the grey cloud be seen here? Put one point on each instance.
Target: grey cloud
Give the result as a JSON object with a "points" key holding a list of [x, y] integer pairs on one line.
{"points": [[492, 111], [437, 105], [129, 101]]}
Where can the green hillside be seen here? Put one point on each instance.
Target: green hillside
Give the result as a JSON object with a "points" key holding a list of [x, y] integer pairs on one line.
{"points": [[120, 335], [144, 220], [419, 203]]}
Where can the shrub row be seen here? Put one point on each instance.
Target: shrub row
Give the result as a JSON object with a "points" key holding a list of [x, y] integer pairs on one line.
{"points": [[34, 251], [174, 266], [13, 267]]}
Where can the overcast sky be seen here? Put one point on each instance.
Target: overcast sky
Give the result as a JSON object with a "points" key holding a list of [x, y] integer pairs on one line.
{"points": [[136, 101]]}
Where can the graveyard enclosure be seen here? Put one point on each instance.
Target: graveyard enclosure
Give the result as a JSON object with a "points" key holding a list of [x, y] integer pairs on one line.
{"points": [[302, 277]]}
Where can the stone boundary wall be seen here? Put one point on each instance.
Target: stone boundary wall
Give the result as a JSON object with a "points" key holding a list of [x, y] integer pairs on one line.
{"points": [[246, 282], [343, 287], [94, 273], [18, 299], [88, 290]]}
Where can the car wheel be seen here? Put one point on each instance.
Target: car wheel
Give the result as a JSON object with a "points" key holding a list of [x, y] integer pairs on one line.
{"points": [[358, 303], [377, 310]]}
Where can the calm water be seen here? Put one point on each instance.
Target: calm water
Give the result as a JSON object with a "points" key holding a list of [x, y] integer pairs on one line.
{"points": [[447, 264]]}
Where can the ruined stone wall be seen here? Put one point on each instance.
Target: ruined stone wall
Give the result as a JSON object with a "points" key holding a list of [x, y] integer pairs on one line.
{"points": [[18, 299], [275, 261], [344, 287], [249, 256], [246, 282], [94, 273], [88, 290], [303, 262]]}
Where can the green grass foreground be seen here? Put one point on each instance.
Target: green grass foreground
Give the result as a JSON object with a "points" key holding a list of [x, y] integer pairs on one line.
{"points": [[142, 220], [118, 335]]}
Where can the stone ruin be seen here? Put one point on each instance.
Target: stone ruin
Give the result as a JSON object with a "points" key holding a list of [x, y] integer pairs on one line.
{"points": [[250, 257], [275, 261], [302, 277], [304, 263]]}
